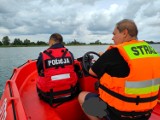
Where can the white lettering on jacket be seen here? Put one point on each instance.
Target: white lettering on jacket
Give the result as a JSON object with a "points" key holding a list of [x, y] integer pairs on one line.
{"points": [[60, 61]]}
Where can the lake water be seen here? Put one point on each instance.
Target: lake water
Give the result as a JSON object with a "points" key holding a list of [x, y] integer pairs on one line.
{"points": [[15, 56]]}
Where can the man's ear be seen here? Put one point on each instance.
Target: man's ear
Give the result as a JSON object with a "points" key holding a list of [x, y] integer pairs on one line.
{"points": [[125, 33], [51, 42]]}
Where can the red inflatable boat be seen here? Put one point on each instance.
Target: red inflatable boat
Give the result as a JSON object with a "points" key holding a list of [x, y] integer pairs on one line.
{"points": [[20, 101]]}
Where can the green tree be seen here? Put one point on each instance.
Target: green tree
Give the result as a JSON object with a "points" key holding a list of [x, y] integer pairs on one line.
{"points": [[17, 41], [1, 43], [26, 42], [41, 43], [97, 42], [75, 42], [32, 43], [63, 43], [6, 40]]}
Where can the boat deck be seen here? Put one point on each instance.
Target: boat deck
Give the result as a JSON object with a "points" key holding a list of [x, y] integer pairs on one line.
{"points": [[37, 109], [25, 100]]}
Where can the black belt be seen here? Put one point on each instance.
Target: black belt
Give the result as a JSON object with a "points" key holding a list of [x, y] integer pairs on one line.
{"points": [[50, 97], [136, 100], [131, 115]]}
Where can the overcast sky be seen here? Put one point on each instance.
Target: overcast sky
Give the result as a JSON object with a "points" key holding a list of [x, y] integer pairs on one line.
{"points": [[83, 20]]}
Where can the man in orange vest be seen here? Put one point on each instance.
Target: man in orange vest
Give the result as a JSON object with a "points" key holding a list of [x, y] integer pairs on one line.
{"points": [[129, 78]]}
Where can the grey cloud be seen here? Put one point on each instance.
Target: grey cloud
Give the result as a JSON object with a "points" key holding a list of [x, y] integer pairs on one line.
{"points": [[6, 6], [148, 16], [98, 22], [67, 2], [103, 22], [89, 2], [156, 23], [63, 18], [34, 18], [133, 8], [10, 17], [72, 17], [3, 9], [151, 9]]}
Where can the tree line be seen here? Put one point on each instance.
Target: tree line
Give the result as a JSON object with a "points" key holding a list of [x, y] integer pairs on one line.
{"points": [[18, 42]]}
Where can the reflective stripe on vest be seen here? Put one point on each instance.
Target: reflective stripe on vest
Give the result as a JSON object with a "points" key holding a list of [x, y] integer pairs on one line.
{"points": [[60, 77], [142, 87], [140, 50]]}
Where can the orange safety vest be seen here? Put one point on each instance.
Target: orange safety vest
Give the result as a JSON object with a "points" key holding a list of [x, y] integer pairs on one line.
{"points": [[139, 90]]}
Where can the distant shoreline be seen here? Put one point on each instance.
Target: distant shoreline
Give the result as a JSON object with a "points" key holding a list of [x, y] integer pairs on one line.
{"points": [[47, 45], [3, 46], [27, 43]]}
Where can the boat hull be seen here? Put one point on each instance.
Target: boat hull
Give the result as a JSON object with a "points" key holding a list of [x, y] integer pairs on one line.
{"points": [[21, 102]]}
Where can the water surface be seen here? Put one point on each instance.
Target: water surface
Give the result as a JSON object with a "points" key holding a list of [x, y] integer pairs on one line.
{"points": [[13, 57]]}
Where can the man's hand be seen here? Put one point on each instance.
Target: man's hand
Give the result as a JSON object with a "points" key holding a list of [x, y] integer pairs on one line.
{"points": [[100, 53]]}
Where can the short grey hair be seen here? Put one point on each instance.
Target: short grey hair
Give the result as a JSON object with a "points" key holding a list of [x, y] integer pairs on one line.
{"points": [[129, 25]]}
